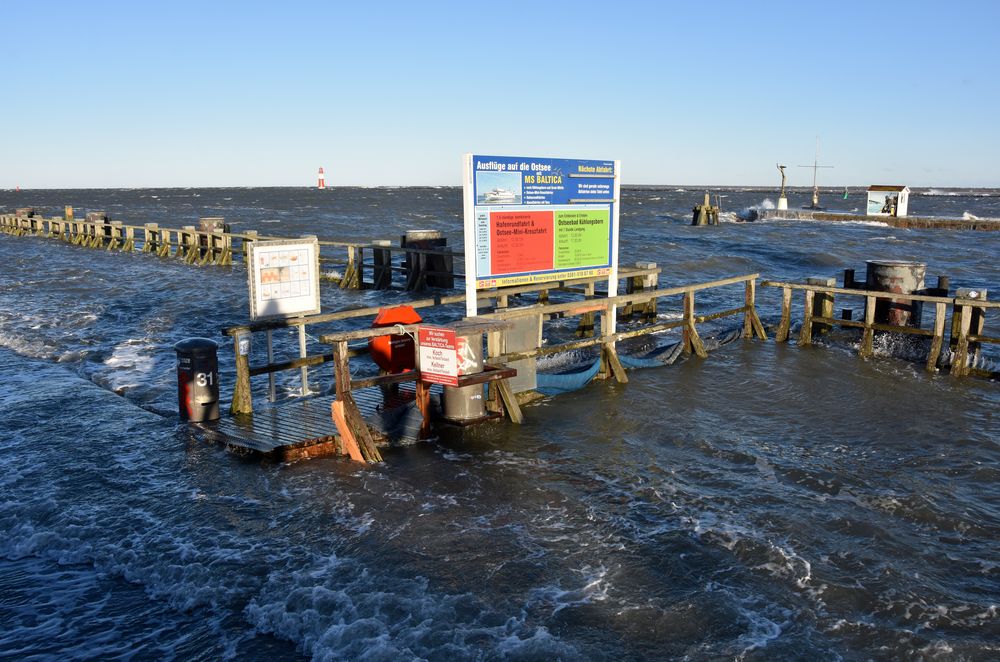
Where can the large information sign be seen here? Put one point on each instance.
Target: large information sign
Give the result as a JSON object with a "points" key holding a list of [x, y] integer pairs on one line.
{"points": [[284, 278], [534, 219]]}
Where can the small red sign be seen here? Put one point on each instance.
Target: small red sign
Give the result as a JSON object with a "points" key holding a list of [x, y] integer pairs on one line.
{"points": [[438, 355]]}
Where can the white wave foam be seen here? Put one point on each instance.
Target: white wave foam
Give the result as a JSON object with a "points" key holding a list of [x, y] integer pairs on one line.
{"points": [[594, 589]]}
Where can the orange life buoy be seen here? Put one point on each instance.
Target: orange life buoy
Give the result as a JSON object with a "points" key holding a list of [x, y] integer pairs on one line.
{"points": [[394, 353]]}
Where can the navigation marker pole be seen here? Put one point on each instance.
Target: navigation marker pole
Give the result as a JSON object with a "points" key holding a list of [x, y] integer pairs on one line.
{"points": [[815, 166], [322, 180]]}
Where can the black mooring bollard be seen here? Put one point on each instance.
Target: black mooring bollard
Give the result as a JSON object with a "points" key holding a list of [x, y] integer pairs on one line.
{"points": [[198, 379]]}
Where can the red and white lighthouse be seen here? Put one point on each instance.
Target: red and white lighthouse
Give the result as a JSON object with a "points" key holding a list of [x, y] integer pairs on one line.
{"points": [[322, 180]]}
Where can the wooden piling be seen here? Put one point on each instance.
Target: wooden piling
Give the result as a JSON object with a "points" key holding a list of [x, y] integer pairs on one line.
{"points": [[940, 311], [691, 339], [751, 322], [868, 338], [823, 304], [242, 396], [382, 264], [354, 424], [786, 315], [960, 362], [805, 333], [585, 328]]}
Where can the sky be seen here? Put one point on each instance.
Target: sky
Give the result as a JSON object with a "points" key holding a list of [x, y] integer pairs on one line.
{"points": [[135, 94]]}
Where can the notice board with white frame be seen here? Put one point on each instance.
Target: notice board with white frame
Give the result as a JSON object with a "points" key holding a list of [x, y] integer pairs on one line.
{"points": [[283, 276]]}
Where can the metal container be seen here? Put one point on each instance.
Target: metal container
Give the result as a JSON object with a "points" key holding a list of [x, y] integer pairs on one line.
{"points": [[466, 403], [901, 278], [198, 379]]}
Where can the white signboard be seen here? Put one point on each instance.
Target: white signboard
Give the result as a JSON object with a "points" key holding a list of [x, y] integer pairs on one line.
{"points": [[284, 278]]}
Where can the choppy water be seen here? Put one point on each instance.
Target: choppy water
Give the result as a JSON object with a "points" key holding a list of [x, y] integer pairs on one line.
{"points": [[772, 502]]}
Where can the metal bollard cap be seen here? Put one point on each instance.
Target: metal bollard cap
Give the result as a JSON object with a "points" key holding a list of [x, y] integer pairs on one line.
{"points": [[197, 347]]}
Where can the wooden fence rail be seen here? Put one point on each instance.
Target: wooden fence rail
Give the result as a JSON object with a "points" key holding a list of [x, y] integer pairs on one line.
{"points": [[968, 318], [242, 400]]}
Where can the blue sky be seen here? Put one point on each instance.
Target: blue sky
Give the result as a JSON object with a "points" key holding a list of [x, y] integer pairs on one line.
{"points": [[135, 94]]}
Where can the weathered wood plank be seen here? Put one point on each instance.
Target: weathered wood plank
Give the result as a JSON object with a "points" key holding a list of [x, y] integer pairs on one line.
{"points": [[941, 310], [786, 315]]}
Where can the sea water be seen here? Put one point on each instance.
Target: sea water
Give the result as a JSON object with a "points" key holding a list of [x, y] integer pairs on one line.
{"points": [[769, 502]]}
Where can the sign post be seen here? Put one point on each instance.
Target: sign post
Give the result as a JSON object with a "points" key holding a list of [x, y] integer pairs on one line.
{"points": [[283, 277], [537, 219]]}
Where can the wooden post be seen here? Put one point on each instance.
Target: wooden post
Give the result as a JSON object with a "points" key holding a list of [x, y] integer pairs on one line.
{"points": [[164, 243], [786, 315], [611, 364], [226, 247], [960, 362], [351, 425], [649, 282], [348, 441], [129, 239], [242, 397], [382, 260], [117, 238], [823, 303], [347, 280], [249, 237], [585, 329], [509, 401], [976, 322], [805, 333], [692, 341], [189, 242], [867, 340], [148, 237], [751, 323], [941, 310], [424, 405]]}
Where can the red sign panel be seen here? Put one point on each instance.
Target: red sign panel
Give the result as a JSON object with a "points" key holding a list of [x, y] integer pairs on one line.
{"points": [[438, 355], [521, 241]]}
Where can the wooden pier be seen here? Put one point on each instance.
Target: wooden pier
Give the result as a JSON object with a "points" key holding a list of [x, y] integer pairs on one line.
{"points": [[352, 428], [409, 265], [980, 224]]}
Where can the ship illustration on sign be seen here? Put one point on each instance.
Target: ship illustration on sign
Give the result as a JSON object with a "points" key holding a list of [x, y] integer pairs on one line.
{"points": [[500, 195]]}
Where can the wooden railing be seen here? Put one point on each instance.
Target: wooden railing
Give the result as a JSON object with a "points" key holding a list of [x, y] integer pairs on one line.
{"points": [[197, 246], [607, 338], [242, 402], [640, 301], [968, 318]]}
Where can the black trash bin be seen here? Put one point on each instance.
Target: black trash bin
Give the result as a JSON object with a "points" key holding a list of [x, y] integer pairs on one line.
{"points": [[198, 379]]}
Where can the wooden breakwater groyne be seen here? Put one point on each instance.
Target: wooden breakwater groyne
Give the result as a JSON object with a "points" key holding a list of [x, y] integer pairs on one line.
{"points": [[980, 224], [420, 260]]}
